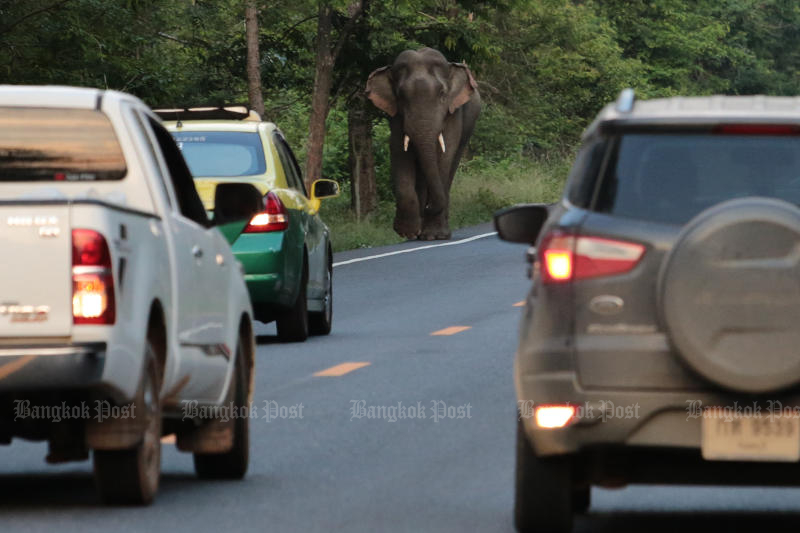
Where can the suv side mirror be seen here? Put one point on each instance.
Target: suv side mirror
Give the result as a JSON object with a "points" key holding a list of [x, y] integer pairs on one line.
{"points": [[323, 188], [521, 223], [235, 202]]}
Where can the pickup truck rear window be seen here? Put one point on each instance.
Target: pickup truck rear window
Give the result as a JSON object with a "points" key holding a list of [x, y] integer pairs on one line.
{"points": [[222, 154], [671, 177], [38, 144]]}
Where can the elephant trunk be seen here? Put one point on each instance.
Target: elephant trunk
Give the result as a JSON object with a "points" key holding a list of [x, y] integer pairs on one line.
{"points": [[429, 152]]}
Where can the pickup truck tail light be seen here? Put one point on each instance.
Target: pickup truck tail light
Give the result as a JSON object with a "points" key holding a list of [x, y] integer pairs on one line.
{"points": [[275, 217], [565, 257], [92, 279]]}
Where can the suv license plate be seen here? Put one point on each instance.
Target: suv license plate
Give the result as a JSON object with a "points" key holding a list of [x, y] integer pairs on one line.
{"points": [[757, 437]]}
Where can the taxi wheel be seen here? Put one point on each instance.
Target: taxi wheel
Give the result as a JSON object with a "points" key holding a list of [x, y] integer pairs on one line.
{"points": [[293, 325], [321, 323]]}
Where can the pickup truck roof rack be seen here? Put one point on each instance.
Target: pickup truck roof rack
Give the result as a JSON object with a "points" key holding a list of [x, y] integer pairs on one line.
{"points": [[225, 112]]}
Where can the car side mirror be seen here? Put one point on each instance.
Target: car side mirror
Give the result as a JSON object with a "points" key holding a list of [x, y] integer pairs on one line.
{"points": [[235, 202], [521, 223], [323, 188]]}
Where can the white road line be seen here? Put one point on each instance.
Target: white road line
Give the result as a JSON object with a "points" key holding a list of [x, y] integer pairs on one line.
{"points": [[418, 248]]}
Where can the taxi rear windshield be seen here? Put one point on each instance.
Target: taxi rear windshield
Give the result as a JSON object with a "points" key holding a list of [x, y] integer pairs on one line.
{"points": [[670, 178], [222, 154], [39, 144]]}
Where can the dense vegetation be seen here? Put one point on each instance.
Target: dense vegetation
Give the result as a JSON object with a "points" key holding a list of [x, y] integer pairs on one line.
{"points": [[545, 67]]}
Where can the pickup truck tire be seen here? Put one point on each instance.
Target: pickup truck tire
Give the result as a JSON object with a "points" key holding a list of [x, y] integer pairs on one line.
{"points": [[233, 463], [321, 323], [293, 325], [131, 477], [543, 490]]}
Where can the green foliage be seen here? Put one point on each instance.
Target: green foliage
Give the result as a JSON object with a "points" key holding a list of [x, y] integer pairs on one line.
{"points": [[544, 67], [481, 187]]}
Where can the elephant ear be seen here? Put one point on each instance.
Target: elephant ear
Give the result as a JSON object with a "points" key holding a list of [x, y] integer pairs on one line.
{"points": [[379, 90], [462, 85]]}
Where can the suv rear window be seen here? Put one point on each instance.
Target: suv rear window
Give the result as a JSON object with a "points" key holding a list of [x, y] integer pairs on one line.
{"points": [[222, 154], [671, 177], [39, 144]]}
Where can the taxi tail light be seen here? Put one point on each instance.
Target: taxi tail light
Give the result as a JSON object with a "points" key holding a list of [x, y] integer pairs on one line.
{"points": [[92, 279], [275, 217], [565, 257]]}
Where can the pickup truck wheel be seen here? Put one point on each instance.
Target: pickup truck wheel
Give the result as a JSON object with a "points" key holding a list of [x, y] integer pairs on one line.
{"points": [[131, 477], [544, 492], [293, 325], [321, 323], [233, 463]]}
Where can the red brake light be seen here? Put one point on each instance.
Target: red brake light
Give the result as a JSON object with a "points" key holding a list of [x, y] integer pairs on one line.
{"points": [[757, 129], [568, 258], [275, 217], [92, 279], [89, 248]]}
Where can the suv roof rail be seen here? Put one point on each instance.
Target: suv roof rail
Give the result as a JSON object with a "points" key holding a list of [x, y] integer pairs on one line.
{"points": [[625, 100], [213, 112]]}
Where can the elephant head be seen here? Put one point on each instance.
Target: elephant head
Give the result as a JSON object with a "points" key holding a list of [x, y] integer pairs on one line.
{"points": [[421, 89]]}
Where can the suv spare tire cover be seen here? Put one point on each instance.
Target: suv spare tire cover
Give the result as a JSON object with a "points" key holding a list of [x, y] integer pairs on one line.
{"points": [[729, 294]]}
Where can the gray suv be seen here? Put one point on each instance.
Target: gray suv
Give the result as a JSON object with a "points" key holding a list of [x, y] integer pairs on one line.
{"points": [[660, 342]]}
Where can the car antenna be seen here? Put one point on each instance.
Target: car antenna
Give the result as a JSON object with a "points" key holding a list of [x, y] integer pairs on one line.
{"points": [[625, 100]]}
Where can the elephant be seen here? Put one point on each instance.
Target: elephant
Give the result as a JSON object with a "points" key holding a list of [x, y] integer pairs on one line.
{"points": [[433, 106]]}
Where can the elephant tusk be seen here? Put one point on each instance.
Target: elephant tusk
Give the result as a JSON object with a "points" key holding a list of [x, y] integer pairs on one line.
{"points": [[405, 143], [441, 143]]}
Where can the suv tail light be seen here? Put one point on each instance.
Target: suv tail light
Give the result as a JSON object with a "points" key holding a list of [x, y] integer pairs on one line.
{"points": [[756, 129], [554, 416], [566, 257], [275, 217], [92, 279]]}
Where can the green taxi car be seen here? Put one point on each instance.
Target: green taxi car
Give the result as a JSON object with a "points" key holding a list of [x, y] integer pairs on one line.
{"points": [[285, 249]]}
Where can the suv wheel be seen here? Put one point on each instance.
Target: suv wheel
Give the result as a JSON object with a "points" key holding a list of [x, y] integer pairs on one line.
{"points": [[130, 477], [543, 493], [581, 499]]}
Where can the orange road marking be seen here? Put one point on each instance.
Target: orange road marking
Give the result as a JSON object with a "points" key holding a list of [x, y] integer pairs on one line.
{"points": [[9, 368], [340, 370], [519, 304], [452, 330], [168, 439]]}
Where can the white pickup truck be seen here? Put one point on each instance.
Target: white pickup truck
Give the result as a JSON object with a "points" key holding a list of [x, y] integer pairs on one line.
{"points": [[120, 302]]}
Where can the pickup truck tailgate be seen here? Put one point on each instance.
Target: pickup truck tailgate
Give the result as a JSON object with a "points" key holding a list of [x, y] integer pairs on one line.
{"points": [[35, 271]]}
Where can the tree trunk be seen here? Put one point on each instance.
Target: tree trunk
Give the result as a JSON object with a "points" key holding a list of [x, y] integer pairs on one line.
{"points": [[327, 52], [253, 58], [364, 191], [323, 80]]}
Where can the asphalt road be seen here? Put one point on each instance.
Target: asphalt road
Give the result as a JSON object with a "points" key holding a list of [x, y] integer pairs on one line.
{"points": [[331, 470]]}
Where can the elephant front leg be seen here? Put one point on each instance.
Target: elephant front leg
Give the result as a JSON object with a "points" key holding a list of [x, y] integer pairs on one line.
{"points": [[407, 221], [435, 226]]}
